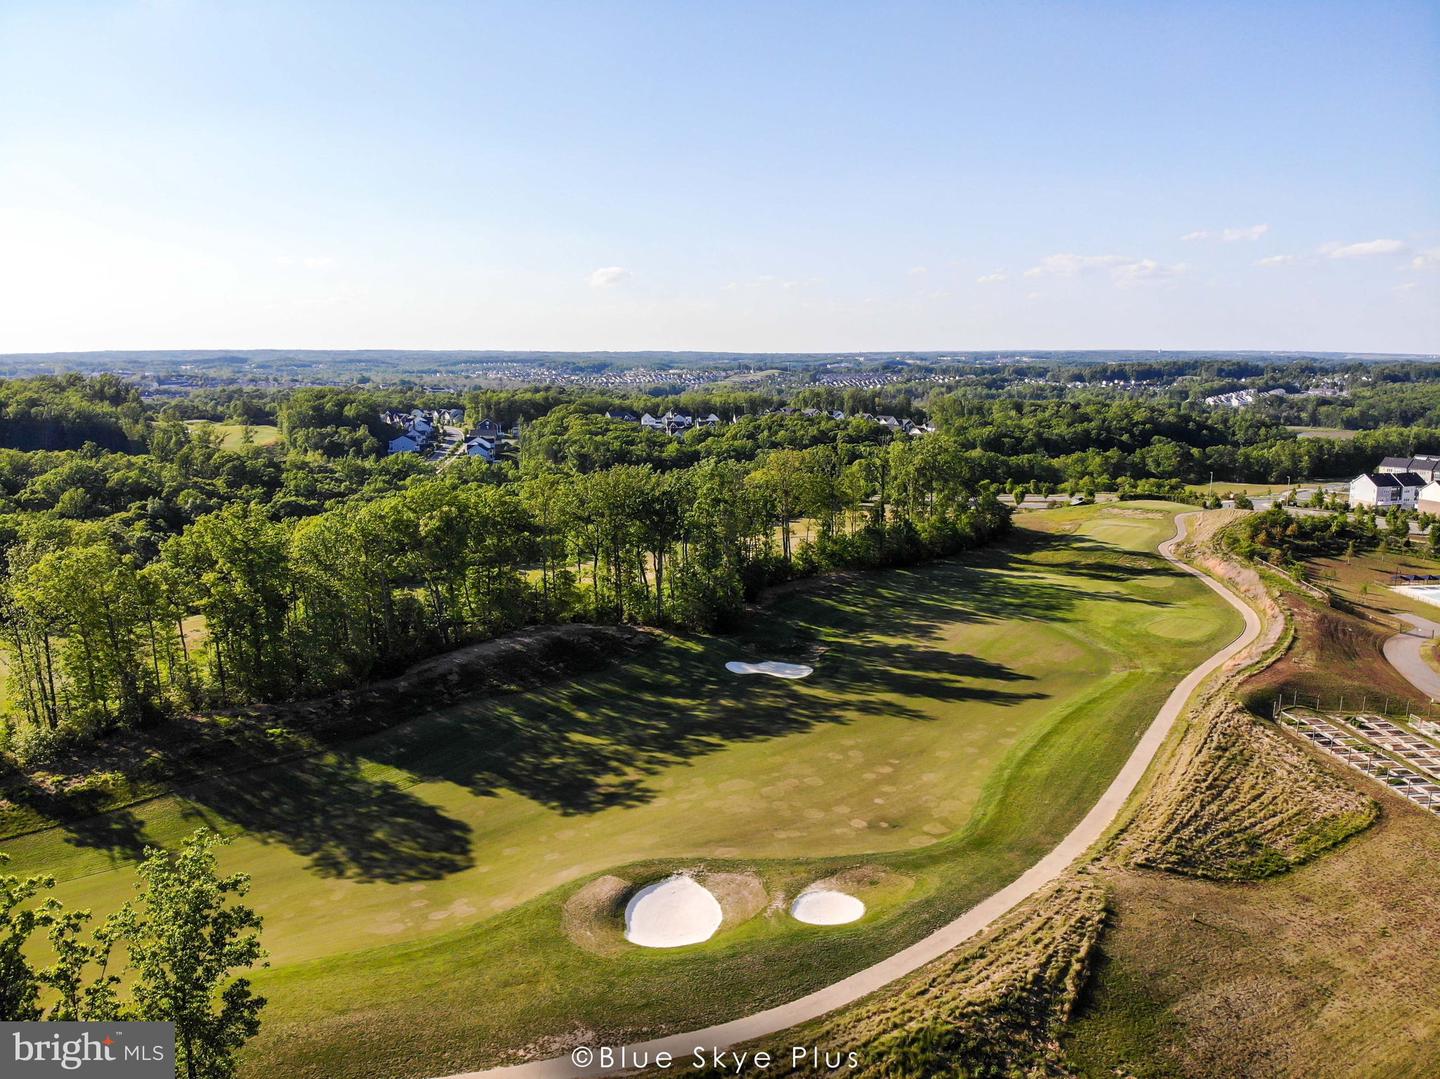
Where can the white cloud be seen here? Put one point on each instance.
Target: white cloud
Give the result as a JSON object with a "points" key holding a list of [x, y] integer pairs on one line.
{"points": [[919, 271], [769, 282], [1278, 260], [1127, 273], [309, 262], [992, 278], [1229, 235], [1426, 260], [1122, 269], [1070, 265], [1365, 249], [608, 276]]}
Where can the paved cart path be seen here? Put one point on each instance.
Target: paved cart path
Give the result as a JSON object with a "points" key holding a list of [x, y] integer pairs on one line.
{"points": [[1403, 652], [973, 921]]}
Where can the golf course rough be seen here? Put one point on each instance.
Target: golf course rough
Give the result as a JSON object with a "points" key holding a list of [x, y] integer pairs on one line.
{"points": [[672, 913]]}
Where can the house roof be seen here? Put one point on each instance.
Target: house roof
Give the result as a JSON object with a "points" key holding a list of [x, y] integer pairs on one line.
{"points": [[1394, 479]]}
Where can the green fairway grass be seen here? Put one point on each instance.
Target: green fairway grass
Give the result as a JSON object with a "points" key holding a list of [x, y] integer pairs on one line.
{"points": [[232, 434], [961, 718]]}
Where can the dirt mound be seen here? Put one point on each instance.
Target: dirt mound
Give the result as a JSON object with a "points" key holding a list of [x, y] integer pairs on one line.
{"points": [[592, 916], [741, 895]]}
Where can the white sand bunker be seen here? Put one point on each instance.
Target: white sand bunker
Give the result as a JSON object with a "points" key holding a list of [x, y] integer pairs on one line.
{"points": [[825, 906], [774, 668], [672, 913]]}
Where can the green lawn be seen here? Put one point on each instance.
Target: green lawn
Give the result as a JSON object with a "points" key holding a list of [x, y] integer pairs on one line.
{"points": [[1220, 487], [961, 718], [1323, 432], [231, 434]]}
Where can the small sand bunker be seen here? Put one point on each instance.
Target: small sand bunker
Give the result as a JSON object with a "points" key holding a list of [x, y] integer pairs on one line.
{"points": [[773, 668], [672, 913], [825, 906]]}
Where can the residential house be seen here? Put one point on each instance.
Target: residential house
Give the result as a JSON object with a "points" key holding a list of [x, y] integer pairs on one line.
{"points": [[404, 444], [1384, 490], [1426, 467], [1428, 500], [488, 428], [652, 423], [622, 414], [483, 448]]}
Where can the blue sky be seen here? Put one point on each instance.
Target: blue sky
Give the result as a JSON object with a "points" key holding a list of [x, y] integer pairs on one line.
{"points": [[750, 177]]}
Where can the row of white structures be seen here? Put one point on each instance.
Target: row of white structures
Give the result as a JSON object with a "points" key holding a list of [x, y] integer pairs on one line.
{"points": [[1411, 483]]}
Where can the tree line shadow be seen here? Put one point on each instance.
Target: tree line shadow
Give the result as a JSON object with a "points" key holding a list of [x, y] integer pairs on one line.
{"points": [[596, 741]]}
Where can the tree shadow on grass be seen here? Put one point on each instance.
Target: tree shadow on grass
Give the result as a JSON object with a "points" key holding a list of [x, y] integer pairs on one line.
{"points": [[348, 824], [88, 823], [877, 642], [593, 742]]}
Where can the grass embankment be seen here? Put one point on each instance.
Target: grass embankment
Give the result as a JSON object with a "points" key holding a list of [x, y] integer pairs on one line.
{"points": [[1326, 969], [1240, 801], [995, 1006], [961, 718], [1338, 650]]}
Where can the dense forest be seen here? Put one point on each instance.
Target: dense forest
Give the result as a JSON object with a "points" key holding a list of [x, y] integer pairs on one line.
{"points": [[149, 570]]}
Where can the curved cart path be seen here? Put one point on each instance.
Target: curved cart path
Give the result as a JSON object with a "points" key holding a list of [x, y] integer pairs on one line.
{"points": [[1403, 652], [973, 921]]}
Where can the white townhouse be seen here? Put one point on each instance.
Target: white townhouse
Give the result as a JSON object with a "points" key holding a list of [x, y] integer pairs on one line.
{"points": [[1424, 466], [1384, 490], [1428, 501]]}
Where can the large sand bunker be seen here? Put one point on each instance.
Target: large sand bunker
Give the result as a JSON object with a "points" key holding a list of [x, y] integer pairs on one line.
{"points": [[672, 913], [773, 668], [825, 906]]}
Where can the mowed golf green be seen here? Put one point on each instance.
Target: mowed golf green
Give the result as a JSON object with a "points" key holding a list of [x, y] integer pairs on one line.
{"points": [[961, 718]]}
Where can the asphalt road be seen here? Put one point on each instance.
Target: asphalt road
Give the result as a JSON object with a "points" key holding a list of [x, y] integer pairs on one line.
{"points": [[1403, 652]]}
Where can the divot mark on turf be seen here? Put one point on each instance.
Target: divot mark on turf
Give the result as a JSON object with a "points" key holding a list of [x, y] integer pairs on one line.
{"points": [[774, 668]]}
